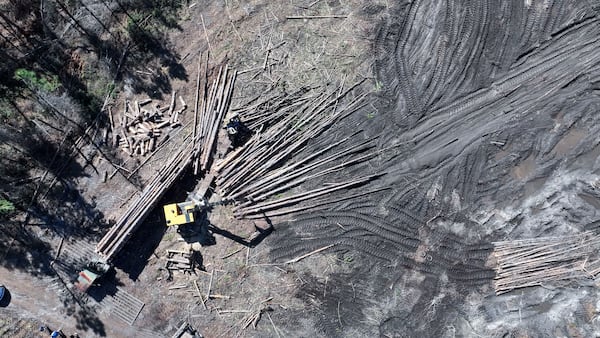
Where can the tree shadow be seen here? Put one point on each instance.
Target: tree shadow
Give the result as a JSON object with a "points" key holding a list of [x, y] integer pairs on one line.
{"points": [[124, 54], [77, 304], [152, 64], [74, 105], [133, 258], [88, 320], [24, 251]]}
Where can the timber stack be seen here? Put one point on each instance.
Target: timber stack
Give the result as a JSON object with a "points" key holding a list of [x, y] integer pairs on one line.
{"points": [[261, 169], [179, 260], [212, 104], [141, 124], [539, 261]]}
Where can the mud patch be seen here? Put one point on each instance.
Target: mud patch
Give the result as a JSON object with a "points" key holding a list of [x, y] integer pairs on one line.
{"points": [[568, 142], [524, 169]]}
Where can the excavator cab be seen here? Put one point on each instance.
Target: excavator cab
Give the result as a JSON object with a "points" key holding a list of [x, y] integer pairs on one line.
{"points": [[179, 213], [237, 132], [183, 213]]}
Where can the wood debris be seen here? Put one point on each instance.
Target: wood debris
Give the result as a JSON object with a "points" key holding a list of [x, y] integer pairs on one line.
{"points": [[297, 259], [181, 261], [261, 170], [192, 150], [253, 315], [142, 124], [184, 330]]}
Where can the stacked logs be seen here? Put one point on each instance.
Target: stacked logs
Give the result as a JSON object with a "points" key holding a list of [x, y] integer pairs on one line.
{"points": [[210, 114], [137, 211], [538, 261], [179, 260], [261, 168], [141, 124]]}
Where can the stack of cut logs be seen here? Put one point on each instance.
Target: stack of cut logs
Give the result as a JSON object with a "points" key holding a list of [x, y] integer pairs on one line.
{"points": [[141, 124], [212, 104], [178, 260], [261, 169], [543, 260], [137, 211]]}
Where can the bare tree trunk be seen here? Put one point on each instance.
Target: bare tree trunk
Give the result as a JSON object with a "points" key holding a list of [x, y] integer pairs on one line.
{"points": [[20, 49], [15, 29]]}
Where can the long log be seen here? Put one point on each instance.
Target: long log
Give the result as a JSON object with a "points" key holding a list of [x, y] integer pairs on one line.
{"points": [[303, 196], [288, 142], [113, 241], [524, 263], [196, 106]]}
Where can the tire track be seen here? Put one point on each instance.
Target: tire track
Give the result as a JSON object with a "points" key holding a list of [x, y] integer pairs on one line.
{"points": [[403, 76], [470, 106], [374, 225]]}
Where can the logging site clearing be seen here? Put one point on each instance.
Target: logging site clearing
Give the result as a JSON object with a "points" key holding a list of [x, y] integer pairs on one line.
{"points": [[300, 168]]}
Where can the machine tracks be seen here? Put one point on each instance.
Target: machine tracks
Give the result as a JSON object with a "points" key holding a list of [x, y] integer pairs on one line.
{"points": [[481, 109], [389, 241]]}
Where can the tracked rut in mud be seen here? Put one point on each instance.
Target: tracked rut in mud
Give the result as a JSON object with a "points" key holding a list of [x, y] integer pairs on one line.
{"points": [[493, 106]]}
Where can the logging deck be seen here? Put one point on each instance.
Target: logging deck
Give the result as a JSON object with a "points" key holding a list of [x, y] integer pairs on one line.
{"points": [[196, 150]]}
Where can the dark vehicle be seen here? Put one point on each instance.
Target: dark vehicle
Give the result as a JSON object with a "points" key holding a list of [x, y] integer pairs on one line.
{"points": [[238, 132]]}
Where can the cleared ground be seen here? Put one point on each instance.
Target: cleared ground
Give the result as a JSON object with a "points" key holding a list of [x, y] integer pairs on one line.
{"points": [[487, 112]]}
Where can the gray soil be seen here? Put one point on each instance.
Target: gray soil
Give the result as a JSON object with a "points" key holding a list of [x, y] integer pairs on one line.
{"points": [[493, 106]]}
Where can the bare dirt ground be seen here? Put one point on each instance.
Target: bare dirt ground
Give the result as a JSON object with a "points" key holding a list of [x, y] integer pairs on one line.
{"points": [[491, 109]]}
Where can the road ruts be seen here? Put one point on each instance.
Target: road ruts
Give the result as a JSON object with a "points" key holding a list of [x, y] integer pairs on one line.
{"points": [[404, 78]]}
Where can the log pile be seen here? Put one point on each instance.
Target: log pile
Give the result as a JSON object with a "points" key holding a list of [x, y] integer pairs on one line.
{"points": [[210, 113], [137, 211], [141, 124], [183, 261], [538, 261], [261, 168], [196, 148]]}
